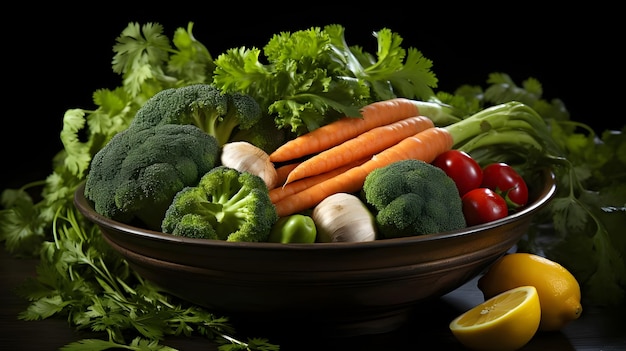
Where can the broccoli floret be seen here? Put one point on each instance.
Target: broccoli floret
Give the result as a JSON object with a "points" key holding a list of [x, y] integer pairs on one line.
{"points": [[227, 204], [139, 171], [217, 113], [265, 135], [412, 197]]}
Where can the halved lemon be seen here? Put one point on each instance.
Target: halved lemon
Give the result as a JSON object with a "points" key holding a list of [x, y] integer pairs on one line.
{"points": [[504, 322], [558, 289]]}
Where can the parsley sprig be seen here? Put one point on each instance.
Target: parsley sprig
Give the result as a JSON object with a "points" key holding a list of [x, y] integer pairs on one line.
{"points": [[81, 277]]}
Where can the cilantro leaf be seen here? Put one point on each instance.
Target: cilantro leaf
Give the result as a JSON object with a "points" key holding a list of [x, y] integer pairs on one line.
{"points": [[141, 53], [192, 62], [21, 228]]}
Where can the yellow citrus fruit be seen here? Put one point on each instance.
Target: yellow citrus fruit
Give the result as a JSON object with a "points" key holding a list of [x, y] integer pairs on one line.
{"points": [[558, 289], [504, 322]]}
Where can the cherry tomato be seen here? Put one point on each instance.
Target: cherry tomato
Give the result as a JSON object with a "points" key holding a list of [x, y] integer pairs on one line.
{"points": [[503, 179], [462, 168], [482, 205]]}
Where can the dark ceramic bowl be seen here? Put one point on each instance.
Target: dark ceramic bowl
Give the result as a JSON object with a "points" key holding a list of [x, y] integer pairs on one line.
{"points": [[341, 289]]}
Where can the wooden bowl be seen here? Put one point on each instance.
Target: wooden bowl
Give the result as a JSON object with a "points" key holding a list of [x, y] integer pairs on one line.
{"points": [[340, 289]]}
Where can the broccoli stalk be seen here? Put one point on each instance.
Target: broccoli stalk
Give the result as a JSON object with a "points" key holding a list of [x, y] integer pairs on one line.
{"points": [[216, 113], [227, 204], [139, 171], [412, 197], [242, 113]]}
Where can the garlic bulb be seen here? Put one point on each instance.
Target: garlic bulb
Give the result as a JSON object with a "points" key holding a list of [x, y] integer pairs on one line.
{"points": [[343, 217], [246, 157]]}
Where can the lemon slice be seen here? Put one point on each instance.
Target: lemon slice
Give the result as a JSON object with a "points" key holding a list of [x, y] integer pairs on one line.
{"points": [[504, 322]]}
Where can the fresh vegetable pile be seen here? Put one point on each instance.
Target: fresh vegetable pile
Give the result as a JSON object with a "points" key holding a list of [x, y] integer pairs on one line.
{"points": [[299, 84]]}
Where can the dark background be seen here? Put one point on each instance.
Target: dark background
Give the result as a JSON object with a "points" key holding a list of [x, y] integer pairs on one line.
{"points": [[54, 58]]}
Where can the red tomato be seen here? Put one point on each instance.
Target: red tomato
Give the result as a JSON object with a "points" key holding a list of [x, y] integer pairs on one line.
{"points": [[503, 179], [462, 168], [482, 205]]}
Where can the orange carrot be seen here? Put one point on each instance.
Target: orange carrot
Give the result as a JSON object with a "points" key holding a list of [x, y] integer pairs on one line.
{"points": [[283, 171], [279, 193], [374, 115], [367, 144], [425, 146]]}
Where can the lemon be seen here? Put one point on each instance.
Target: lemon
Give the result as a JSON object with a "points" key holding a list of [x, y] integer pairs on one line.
{"points": [[558, 289], [504, 322]]}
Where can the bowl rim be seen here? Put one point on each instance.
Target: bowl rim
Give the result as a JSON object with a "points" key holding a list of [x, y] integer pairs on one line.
{"points": [[86, 208]]}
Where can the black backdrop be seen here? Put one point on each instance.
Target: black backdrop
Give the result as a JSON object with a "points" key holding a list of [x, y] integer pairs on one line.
{"points": [[54, 58]]}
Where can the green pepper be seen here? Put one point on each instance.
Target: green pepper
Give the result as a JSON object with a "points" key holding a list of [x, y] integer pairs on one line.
{"points": [[296, 228]]}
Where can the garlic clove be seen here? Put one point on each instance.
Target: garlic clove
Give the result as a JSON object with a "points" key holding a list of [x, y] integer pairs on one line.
{"points": [[343, 217], [246, 157]]}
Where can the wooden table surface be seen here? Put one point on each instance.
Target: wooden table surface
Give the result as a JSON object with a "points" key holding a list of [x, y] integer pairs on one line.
{"points": [[597, 329]]}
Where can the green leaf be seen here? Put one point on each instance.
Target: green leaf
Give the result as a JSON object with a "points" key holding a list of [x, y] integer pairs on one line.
{"points": [[138, 344], [141, 54], [78, 156], [192, 62], [44, 308], [412, 79], [21, 228]]}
